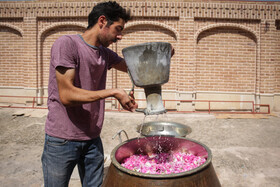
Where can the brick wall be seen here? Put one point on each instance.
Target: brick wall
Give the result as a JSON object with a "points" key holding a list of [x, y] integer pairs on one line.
{"points": [[222, 47], [11, 56], [225, 60]]}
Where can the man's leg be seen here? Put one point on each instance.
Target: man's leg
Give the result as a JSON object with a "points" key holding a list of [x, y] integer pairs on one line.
{"points": [[91, 167], [58, 161]]}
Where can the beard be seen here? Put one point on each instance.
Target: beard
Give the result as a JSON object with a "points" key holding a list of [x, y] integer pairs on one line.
{"points": [[106, 40], [107, 43]]}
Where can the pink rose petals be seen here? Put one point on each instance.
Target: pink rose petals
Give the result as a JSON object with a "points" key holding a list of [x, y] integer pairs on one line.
{"points": [[163, 163]]}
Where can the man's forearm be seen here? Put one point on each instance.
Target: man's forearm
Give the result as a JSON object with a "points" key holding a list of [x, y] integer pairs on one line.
{"points": [[77, 96]]}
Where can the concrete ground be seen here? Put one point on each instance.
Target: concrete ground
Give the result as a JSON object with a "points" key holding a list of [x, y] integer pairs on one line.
{"points": [[245, 148]]}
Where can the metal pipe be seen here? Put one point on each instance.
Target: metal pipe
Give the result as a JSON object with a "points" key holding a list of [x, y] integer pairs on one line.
{"points": [[119, 109]]}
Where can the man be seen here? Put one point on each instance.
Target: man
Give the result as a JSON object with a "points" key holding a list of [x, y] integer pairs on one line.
{"points": [[77, 91]]}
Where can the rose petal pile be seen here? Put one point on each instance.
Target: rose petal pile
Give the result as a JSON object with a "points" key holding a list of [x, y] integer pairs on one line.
{"points": [[163, 163]]}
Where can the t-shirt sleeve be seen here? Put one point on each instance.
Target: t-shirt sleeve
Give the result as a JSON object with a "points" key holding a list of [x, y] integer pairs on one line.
{"points": [[113, 58], [63, 53]]}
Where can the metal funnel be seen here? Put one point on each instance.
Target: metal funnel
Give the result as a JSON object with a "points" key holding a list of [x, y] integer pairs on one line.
{"points": [[149, 65]]}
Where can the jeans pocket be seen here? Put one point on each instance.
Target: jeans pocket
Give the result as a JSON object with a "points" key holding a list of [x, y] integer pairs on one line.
{"points": [[56, 141]]}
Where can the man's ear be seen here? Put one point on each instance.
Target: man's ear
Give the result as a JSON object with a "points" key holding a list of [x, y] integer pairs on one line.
{"points": [[102, 21]]}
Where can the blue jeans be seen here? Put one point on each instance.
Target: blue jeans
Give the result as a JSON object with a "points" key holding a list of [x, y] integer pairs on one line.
{"points": [[61, 156]]}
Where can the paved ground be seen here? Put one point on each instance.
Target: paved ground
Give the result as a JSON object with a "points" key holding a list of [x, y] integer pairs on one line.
{"points": [[245, 148]]}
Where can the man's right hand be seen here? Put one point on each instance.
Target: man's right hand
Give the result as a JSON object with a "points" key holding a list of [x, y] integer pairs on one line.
{"points": [[127, 101]]}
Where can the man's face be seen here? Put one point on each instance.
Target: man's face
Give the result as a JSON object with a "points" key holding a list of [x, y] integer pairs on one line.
{"points": [[111, 33]]}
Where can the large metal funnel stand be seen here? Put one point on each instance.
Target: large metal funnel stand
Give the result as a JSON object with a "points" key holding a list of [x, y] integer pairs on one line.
{"points": [[148, 65]]}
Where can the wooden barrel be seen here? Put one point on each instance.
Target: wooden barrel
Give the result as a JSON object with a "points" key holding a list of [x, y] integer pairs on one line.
{"points": [[202, 176]]}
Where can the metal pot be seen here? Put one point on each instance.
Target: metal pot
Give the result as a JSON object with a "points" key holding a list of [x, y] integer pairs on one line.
{"points": [[202, 176], [163, 128]]}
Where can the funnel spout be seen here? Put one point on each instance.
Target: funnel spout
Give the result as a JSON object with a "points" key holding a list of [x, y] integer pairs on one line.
{"points": [[154, 101]]}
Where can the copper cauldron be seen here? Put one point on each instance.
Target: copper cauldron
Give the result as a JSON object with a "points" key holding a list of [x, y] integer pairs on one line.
{"points": [[202, 176]]}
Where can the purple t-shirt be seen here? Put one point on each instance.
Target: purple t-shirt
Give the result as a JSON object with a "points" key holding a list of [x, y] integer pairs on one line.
{"points": [[83, 122]]}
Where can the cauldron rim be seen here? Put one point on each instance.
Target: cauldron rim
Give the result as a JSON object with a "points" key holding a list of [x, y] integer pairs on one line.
{"points": [[173, 175]]}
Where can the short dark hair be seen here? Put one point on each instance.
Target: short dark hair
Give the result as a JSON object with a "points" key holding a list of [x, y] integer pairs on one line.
{"points": [[111, 10]]}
